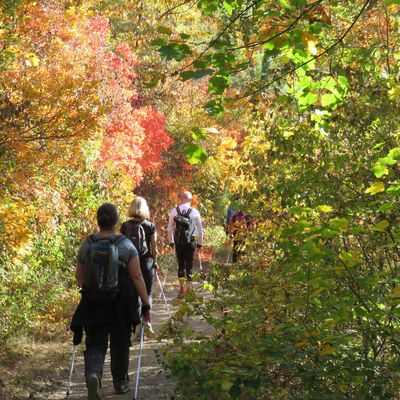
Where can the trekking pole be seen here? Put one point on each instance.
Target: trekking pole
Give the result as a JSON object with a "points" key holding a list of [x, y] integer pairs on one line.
{"points": [[71, 369], [162, 293], [135, 397], [228, 259]]}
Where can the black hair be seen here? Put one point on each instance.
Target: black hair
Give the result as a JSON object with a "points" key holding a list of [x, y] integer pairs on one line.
{"points": [[107, 216]]}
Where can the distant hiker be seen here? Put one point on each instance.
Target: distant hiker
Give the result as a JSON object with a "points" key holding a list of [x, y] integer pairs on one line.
{"points": [[183, 223], [143, 235], [108, 271], [240, 224], [230, 212]]}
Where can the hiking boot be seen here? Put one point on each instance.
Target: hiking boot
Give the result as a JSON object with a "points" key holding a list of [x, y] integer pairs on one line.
{"points": [[148, 330], [93, 385], [122, 387]]}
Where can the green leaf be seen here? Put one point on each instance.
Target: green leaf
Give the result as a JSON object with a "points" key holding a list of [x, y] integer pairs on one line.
{"points": [[228, 6], [175, 51], [218, 84], [201, 133], [394, 188], [226, 385], [164, 30], [381, 226], [329, 100], [186, 75], [343, 82], [338, 223], [380, 170], [348, 258], [214, 107], [375, 188], [390, 2], [198, 134], [269, 45], [387, 161], [308, 100], [195, 154], [285, 4], [394, 153], [158, 42], [325, 209]]}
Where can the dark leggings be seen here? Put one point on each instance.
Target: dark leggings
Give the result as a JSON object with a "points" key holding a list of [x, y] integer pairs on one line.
{"points": [[96, 348], [185, 255], [146, 266]]}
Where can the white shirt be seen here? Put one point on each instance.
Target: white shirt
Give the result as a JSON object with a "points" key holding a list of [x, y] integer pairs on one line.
{"points": [[195, 223]]}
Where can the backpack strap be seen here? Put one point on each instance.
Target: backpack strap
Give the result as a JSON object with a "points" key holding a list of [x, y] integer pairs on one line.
{"points": [[118, 239], [91, 239], [188, 211], [178, 210]]}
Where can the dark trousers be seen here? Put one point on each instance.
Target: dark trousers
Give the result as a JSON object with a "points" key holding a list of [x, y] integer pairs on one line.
{"points": [[185, 255], [237, 250], [146, 266], [96, 348]]}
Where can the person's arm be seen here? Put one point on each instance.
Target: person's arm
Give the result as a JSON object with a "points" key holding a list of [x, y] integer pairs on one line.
{"points": [[171, 227], [79, 274], [136, 276], [154, 249], [200, 233]]}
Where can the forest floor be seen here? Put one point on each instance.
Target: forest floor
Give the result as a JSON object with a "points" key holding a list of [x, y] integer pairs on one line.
{"points": [[39, 371]]}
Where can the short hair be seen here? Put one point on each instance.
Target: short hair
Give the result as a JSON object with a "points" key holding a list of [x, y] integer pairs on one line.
{"points": [[139, 208], [187, 195], [107, 216]]}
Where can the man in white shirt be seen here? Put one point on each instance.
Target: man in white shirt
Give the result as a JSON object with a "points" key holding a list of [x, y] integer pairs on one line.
{"points": [[183, 223]]}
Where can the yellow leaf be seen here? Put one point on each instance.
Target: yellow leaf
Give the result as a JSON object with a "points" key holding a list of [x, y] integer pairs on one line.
{"points": [[381, 226], [326, 349], [375, 188], [396, 291], [31, 60], [302, 343], [311, 42], [325, 209]]}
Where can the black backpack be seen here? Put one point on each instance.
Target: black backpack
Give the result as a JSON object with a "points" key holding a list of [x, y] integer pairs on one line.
{"points": [[101, 269], [135, 232], [182, 235]]}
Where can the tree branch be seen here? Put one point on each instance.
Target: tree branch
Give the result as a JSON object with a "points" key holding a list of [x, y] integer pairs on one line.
{"points": [[327, 50]]}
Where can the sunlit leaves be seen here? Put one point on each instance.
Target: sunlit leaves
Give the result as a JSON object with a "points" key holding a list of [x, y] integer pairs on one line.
{"points": [[195, 154], [375, 187], [381, 226]]}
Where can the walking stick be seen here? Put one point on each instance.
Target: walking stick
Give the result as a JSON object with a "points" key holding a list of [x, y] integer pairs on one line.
{"points": [[139, 362], [162, 293], [71, 369]]}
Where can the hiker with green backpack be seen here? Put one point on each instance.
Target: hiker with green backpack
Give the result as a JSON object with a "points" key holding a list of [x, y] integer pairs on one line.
{"points": [[108, 271], [183, 223], [143, 235]]}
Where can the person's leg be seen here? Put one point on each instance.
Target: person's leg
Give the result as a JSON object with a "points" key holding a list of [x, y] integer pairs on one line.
{"points": [[146, 266], [189, 259], [96, 348], [119, 351], [235, 250], [181, 256]]}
